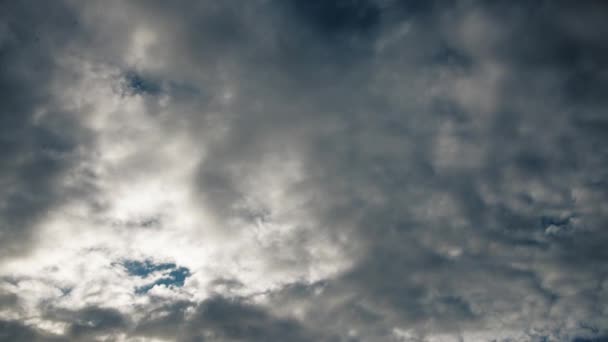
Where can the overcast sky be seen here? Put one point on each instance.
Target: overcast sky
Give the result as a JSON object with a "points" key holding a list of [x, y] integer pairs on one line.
{"points": [[303, 170]]}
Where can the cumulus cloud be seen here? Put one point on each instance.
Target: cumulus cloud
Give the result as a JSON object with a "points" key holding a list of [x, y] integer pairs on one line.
{"points": [[348, 170]]}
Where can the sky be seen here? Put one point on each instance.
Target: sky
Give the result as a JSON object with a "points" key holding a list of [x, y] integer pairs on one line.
{"points": [[303, 170]]}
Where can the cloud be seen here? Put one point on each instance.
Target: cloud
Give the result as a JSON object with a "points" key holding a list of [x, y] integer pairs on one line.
{"points": [[369, 170], [14, 331], [39, 141]]}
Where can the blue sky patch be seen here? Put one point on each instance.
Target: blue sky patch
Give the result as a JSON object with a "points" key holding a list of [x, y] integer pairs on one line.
{"points": [[172, 276], [144, 268], [168, 274], [137, 84]]}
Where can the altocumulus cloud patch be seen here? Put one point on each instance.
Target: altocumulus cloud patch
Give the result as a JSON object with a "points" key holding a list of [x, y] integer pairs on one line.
{"points": [[341, 170]]}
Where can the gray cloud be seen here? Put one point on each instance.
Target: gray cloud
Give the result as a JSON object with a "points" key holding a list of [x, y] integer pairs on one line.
{"points": [[15, 331], [38, 141], [393, 171]]}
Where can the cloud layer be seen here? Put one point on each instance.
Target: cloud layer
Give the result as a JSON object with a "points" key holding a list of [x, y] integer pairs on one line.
{"points": [[361, 170]]}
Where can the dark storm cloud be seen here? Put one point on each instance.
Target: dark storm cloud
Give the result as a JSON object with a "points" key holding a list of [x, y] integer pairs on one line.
{"points": [[527, 136], [8, 301], [455, 153], [220, 319], [596, 339], [85, 324], [215, 319], [37, 140], [92, 321], [17, 332]]}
